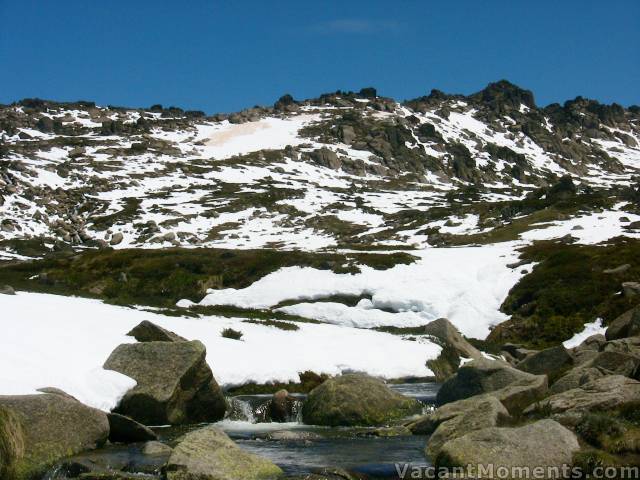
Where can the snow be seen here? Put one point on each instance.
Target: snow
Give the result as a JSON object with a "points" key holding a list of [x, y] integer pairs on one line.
{"points": [[466, 285], [593, 328], [588, 228], [63, 342]]}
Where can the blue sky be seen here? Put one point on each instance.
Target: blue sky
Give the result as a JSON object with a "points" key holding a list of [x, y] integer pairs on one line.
{"points": [[226, 55]]}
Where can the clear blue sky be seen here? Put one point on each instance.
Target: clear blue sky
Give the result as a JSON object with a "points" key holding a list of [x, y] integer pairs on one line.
{"points": [[226, 55]]}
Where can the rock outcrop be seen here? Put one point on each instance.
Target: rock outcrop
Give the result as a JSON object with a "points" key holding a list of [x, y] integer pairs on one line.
{"points": [[626, 325], [356, 399], [175, 384]]}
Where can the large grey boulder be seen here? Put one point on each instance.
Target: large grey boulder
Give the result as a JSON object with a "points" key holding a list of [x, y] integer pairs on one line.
{"points": [[175, 384], [615, 363], [544, 444], [606, 393], [626, 325], [550, 361], [147, 331], [52, 426], [574, 378], [456, 419], [356, 399], [513, 387], [209, 454], [519, 395]]}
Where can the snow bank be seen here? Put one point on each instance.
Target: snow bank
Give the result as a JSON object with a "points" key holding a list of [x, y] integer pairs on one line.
{"points": [[466, 285], [593, 328], [63, 342]]}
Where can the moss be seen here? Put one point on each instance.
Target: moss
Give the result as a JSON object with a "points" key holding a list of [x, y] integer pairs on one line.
{"points": [[566, 289], [11, 443]]}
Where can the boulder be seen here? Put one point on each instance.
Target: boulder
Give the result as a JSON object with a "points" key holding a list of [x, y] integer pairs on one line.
{"points": [[544, 444], [606, 393], [594, 342], [629, 345], [147, 331], [456, 419], [550, 361], [616, 363], [445, 332], [519, 395], [52, 426], [174, 383], [126, 430], [282, 407], [7, 290], [626, 325], [631, 289], [326, 158], [116, 239], [356, 399], [575, 378], [484, 376], [517, 352], [209, 454]]}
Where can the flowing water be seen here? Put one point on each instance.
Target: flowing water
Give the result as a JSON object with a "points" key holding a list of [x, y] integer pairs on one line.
{"points": [[295, 447]]}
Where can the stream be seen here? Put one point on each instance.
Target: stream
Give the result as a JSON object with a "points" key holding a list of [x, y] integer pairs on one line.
{"points": [[294, 447]]}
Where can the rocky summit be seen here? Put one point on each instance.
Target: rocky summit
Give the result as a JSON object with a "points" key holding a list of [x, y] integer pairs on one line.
{"points": [[345, 169]]}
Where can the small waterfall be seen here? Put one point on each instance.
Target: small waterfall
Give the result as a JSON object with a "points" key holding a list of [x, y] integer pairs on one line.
{"points": [[240, 410], [257, 410]]}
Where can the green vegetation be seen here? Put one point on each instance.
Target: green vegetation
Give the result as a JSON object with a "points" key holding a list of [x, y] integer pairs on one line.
{"points": [[161, 277], [231, 333], [275, 323], [567, 288]]}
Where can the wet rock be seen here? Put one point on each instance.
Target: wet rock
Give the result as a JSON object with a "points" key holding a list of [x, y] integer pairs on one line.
{"points": [[175, 384], [281, 407], [544, 444], [147, 331], [356, 399], [53, 426], [209, 454], [126, 430]]}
